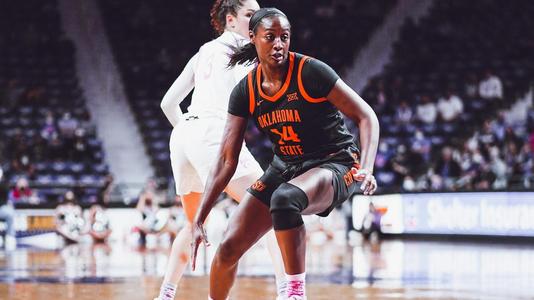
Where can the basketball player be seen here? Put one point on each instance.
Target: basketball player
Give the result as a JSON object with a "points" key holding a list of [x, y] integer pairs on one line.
{"points": [[296, 101], [195, 138]]}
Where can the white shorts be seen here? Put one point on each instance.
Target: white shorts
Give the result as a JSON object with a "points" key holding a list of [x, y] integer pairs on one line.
{"points": [[194, 146]]}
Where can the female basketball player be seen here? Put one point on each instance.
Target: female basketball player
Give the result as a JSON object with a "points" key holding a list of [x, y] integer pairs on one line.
{"points": [[296, 101], [195, 138]]}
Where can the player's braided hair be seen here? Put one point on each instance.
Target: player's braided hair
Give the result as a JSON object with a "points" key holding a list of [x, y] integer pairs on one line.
{"points": [[220, 9]]}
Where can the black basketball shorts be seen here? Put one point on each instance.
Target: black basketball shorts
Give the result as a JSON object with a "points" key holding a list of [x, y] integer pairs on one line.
{"points": [[339, 163]]}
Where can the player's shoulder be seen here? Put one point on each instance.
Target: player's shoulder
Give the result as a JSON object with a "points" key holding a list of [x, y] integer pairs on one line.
{"points": [[310, 62]]}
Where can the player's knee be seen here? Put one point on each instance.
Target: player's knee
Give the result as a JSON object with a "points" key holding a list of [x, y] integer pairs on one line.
{"points": [[229, 251], [287, 203]]}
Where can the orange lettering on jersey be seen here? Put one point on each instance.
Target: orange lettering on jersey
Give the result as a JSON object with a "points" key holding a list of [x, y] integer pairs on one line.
{"points": [[258, 186], [292, 150], [279, 116], [292, 97]]}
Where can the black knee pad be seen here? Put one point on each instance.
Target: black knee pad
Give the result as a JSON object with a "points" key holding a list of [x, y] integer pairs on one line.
{"points": [[287, 202]]}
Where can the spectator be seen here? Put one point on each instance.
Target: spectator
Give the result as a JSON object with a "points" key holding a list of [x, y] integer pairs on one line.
{"points": [[484, 178], [86, 124], [426, 110], [154, 220], [49, 127], [80, 150], [99, 224], [499, 170], [22, 193], [471, 86], [490, 87], [69, 221], [406, 163], [372, 222], [7, 215], [514, 160], [486, 136], [450, 107], [421, 145], [177, 218], [67, 126], [447, 168], [511, 137], [498, 127], [528, 164], [383, 156], [22, 164], [403, 114]]}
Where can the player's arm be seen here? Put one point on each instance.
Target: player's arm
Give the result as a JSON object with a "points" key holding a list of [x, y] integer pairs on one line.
{"points": [[354, 107], [182, 86], [322, 81], [226, 163], [220, 175]]}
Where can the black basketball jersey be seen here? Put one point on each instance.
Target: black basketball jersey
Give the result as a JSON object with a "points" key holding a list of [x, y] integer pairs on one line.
{"points": [[300, 122]]}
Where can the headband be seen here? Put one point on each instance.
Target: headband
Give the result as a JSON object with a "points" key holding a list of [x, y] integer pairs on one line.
{"points": [[263, 13]]}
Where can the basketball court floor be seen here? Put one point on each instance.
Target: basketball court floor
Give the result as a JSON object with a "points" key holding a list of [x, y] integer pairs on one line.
{"points": [[391, 269]]}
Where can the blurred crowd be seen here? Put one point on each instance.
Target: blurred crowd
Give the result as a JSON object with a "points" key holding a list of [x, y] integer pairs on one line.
{"points": [[444, 147], [40, 133]]}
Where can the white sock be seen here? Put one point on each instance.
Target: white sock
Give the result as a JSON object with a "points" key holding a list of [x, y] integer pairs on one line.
{"points": [[167, 291], [296, 277], [281, 287], [296, 284]]}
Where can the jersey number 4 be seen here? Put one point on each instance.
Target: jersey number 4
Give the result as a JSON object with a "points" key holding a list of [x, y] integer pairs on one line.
{"points": [[287, 134]]}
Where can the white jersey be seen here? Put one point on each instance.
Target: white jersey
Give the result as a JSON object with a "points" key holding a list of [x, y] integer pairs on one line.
{"points": [[195, 142], [213, 81]]}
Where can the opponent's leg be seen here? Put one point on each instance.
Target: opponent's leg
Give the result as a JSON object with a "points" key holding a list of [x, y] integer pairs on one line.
{"points": [[237, 190], [248, 224], [180, 250]]}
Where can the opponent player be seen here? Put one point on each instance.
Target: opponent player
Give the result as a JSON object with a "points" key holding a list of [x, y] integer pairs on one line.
{"points": [[296, 101], [195, 138]]}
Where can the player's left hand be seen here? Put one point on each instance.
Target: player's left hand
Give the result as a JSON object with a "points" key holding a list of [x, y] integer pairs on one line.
{"points": [[369, 184], [198, 236]]}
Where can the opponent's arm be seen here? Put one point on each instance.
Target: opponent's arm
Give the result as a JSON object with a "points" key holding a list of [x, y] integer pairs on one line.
{"points": [[354, 107], [182, 86], [220, 175]]}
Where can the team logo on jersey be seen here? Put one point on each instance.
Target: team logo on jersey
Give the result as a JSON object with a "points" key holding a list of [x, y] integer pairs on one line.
{"points": [[292, 97], [258, 186]]}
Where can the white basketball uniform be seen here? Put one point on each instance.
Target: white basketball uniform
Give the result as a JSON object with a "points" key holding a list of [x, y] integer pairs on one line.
{"points": [[196, 137]]}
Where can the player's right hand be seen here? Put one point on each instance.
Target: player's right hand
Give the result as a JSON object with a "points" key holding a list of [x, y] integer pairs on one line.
{"points": [[198, 236]]}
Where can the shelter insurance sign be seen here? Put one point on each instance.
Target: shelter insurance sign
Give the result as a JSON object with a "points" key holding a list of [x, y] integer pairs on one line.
{"points": [[498, 213]]}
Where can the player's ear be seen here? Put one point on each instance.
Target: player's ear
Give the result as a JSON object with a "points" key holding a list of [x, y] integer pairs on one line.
{"points": [[251, 36], [230, 21]]}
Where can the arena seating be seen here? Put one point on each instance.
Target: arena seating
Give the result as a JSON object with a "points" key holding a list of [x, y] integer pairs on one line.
{"points": [[38, 80], [152, 42], [457, 42]]}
